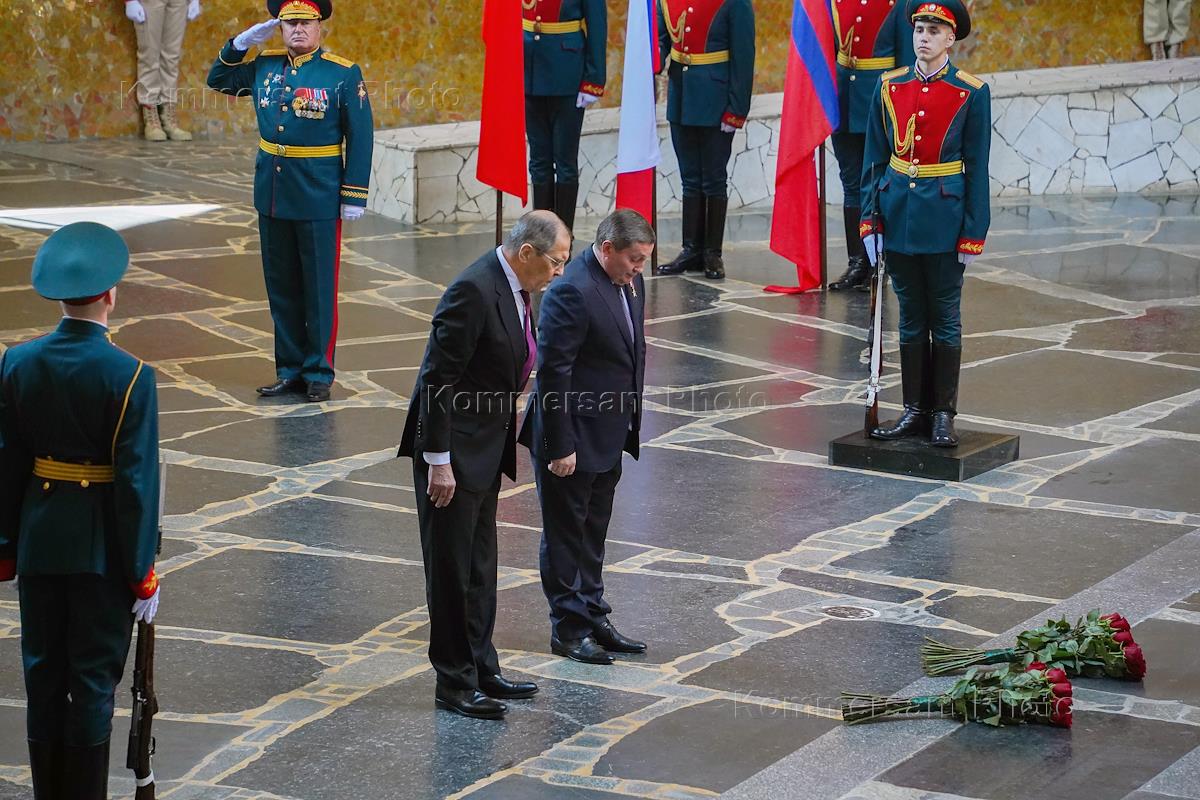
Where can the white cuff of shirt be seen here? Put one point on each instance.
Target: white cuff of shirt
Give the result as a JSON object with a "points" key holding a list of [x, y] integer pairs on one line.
{"points": [[436, 459]]}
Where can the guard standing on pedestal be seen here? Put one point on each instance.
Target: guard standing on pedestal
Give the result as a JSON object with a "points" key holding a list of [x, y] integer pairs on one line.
{"points": [[926, 169], [565, 50], [710, 47], [312, 171], [78, 509], [872, 38]]}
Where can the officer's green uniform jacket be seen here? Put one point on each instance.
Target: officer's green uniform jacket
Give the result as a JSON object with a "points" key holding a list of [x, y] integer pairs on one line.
{"points": [[693, 33], [318, 100], [566, 63], [872, 38], [73, 396], [928, 143]]}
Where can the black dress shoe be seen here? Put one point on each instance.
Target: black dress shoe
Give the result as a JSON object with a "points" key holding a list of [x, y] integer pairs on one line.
{"points": [[318, 392], [942, 433], [612, 640], [496, 686], [470, 703], [585, 650], [283, 386]]}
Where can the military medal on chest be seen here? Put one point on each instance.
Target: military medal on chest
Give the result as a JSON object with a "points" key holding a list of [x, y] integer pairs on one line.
{"points": [[310, 103]]}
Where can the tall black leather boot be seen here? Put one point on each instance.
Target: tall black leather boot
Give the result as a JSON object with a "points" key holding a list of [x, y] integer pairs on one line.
{"points": [[86, 773], [858, 269], [46, 761], [691, 257], [914, 365], [565, 196], [947, 360], [543, 196], [714, 237]]}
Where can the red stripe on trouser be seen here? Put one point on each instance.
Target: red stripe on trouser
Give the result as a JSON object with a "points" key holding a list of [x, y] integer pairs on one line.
{"points": [[337, 267]]}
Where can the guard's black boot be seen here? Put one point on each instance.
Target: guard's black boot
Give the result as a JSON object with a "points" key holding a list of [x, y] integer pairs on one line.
{"points": [[86, 774], [46, 761], [691, 257], [565, 195], [543, 196], [946, 362], [914, 365], [858, 269], [714, 237]]}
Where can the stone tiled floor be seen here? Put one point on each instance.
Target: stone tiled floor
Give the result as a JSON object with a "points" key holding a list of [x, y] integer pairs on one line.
{"points": [[292, 633]]}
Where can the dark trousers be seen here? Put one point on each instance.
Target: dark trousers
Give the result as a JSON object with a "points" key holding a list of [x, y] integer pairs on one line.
{"points": [[703, 155], [75, 632], [575, 514], [553, 125], [929, 291], [848, 148], [458, 543], [301, 260]]}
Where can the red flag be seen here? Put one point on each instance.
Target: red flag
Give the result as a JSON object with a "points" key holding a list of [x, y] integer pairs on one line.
{"points": [[502, 124], [810, 113]]}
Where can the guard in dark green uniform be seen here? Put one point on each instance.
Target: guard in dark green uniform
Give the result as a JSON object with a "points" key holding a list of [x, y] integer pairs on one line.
{"points": [[565, 50], [709, 45], [873, 37], [926, 169], [312, 170], [78, 509]]}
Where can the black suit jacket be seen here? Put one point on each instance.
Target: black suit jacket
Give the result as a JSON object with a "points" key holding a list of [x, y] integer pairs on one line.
{"points": [[464, 401], [590, 373]]}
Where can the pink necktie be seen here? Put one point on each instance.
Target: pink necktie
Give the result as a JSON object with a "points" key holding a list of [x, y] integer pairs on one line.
{"points": [[530, 344]]}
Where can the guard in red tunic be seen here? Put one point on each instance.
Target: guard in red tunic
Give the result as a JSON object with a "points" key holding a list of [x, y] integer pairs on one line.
{"points": [[926, 172]]}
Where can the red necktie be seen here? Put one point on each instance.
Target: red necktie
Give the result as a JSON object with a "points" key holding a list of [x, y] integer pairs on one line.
{"points": [[530, 344]]}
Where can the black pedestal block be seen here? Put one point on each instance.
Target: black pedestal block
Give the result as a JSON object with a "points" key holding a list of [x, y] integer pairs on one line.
{"points": [[977, 452]]}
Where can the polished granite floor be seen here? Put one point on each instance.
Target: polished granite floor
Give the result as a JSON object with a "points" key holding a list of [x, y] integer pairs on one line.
{"points": [[292, 632]]}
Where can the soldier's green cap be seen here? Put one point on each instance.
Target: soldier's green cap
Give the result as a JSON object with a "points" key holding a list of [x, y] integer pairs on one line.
{"points": [[80, 261], [948, 12]]}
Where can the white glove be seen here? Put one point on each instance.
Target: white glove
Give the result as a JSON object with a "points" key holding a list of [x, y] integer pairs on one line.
{"points": [[144, 610], [352, 213], [966, 258], [193, 10], [255, 34], [727, 128], [135, 11], [584, 100], [873, 242]]}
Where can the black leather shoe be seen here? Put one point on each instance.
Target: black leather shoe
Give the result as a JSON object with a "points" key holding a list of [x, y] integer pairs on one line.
{"points": [[714, 266], [470, 703], [942, 430], [496, 686], [691, 257], [283, 386], [856, 276], [585, 650], [317, 392], [612, 640]]}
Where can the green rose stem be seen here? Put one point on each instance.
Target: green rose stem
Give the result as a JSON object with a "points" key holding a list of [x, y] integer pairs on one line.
{"points": [[941, 659]]}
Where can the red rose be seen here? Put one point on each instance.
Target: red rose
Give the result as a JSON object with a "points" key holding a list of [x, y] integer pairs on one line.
{"points": [[1135, 662], [1056, 675], [1116, 622], [1035, 666], [1060, 712], [1061, 689], [1124, 637]]}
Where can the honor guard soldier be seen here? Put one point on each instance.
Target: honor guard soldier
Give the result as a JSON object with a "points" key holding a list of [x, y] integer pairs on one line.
{"points": [[565, 50], [312, 169], [926, 170], [873, 37], [709, 45], [78, 509]]}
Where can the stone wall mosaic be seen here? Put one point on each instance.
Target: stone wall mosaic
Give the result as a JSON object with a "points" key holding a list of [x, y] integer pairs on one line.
{"points": [[423, 57]]}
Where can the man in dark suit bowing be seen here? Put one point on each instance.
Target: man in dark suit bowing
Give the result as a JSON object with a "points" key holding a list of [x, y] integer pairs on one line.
{"points": [[586, 410], [460, 433]]}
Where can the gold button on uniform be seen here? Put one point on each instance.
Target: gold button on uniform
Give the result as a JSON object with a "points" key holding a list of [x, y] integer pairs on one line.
{"points": [[280, 127], [853, 77], [279, 169], [912, 186], [46, 486], [85, 483]]}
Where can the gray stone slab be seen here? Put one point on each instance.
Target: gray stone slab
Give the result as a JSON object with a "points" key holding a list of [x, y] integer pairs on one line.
{"points": [[1155, 331], [741, 396], [174, 428], [669, 297], [691, 746], [165, 339], [699, 568], [669, 368], [177, 398], [991, 306], [191, 488], [53, 192], [1120, 477], [178, 234], [240, 377], [520, 787], [848, 586], [381, 355], [1185, 420], [355, 320], [1044, 553], [238, 275], [1123, 271], [994, 614]]}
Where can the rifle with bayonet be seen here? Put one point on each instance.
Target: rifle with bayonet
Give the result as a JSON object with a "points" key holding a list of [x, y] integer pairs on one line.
{"points": [[878, 289], [145, 702]]}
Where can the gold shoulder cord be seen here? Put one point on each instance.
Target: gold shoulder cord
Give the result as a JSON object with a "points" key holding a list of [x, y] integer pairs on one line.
{"points": [[676, 30], [124, 408]]}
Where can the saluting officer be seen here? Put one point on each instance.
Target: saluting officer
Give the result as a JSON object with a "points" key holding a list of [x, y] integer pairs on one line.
{"points": [[873, 37], [927, 169], [565, 50], [78, 509], [710, 47], [311, 172]]}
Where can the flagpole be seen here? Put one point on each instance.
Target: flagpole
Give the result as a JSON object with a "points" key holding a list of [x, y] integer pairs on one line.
{"points": [[500, 218], [654, 220], [823, 222]]}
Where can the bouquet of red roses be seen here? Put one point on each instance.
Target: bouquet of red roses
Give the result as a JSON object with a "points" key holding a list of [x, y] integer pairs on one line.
{"points": [[1013, 696], [1097, 645]]}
